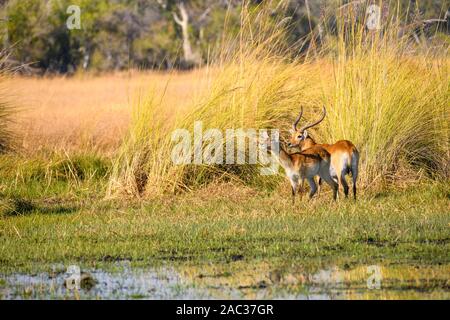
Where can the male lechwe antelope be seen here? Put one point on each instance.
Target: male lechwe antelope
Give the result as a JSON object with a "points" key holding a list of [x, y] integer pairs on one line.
{"points": [[344, 155], [303, 165]]}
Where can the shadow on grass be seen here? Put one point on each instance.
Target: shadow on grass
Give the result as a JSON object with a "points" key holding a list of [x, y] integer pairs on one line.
{"points": [[58, 209], [381, 195], [19, 207]]}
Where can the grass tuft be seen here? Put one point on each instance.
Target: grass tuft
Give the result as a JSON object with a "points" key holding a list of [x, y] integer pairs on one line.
{"points": [[384, 94], [7, 110]]}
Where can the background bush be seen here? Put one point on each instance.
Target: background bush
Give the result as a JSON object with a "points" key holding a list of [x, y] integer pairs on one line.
{"points": [[118, 34]]}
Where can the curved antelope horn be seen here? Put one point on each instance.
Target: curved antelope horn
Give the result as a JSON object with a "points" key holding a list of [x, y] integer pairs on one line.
{"points": [[315, 123], [294, 125]]}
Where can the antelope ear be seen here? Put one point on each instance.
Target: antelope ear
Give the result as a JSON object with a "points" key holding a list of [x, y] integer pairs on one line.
{"points": [[305, 134], [291, 131]]}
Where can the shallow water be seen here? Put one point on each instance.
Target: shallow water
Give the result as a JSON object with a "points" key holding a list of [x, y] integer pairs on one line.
{"points": [[238, 280], [136, 284]]}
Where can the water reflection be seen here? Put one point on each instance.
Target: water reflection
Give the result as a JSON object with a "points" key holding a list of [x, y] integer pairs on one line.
{"points": [[237, 280]]}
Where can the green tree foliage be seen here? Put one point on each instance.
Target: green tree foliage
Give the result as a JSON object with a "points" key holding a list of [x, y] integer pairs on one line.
{"points": [[118, 34]]}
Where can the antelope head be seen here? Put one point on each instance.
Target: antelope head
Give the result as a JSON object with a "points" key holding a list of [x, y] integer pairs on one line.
{"points": [[299, 137]]}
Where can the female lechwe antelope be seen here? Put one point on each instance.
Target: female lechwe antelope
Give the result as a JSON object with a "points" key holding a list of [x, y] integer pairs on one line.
{"points": [[303, 165], [344, 155]]}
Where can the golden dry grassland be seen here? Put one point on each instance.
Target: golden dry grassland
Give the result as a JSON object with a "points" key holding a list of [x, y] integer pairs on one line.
{"points": [[88, 111]]}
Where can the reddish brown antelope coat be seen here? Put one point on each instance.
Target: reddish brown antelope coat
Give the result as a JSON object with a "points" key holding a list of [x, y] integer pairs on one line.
{"points": [[304, 165], [344, 155]]}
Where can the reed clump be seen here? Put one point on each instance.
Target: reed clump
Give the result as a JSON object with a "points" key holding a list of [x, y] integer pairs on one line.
{"points": [[7, 110], [386, 96]]}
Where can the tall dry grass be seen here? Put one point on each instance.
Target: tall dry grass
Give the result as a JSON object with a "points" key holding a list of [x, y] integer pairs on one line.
{"points": [[389, 99], [7, 109]]}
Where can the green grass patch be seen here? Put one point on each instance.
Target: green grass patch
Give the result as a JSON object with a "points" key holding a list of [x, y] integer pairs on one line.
{"points": [[52, 175], [404, 226]]}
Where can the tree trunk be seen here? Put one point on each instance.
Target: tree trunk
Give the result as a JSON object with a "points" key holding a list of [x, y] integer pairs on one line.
{"points": [[190, 57]]}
